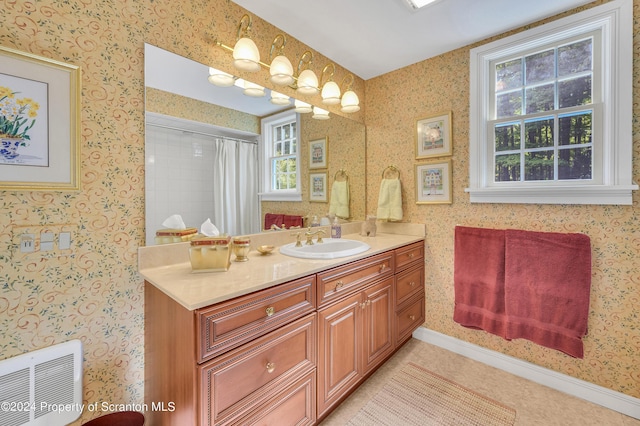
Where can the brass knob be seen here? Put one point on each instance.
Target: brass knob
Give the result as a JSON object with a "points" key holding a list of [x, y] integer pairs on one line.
{"points": [[412, 283], [382, 267], [271, 367], [411, 255], [338, 286], [270, 311], [412, 317]]}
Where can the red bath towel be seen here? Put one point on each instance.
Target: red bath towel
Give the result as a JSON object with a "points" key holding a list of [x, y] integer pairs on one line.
{"points": [[547, 287], [479, 279]]}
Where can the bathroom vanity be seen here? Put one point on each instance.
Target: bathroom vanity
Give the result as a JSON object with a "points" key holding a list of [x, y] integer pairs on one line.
{"points": [[276, 340]]}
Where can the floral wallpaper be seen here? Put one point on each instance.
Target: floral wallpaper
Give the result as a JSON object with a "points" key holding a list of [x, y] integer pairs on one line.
{"points": [[612, 345], [174, 105], [92, 292]]}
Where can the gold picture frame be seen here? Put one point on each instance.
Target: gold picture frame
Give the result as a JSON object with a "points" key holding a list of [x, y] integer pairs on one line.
{"points": [[433, 182], [433, 136], [318, 187], [319, 153], [40, 145]]}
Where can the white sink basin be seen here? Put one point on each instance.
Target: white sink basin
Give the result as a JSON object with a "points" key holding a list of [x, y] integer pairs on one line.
{"points": [[330, 248]]}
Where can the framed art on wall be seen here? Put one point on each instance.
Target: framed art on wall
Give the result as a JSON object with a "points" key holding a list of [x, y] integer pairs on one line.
{"points": [[433, 136], [318, 187], [433, 182], [318, 153], [39, 123]]}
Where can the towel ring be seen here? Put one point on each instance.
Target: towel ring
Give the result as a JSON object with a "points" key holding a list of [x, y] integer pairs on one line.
{"points": [[392, 169], [341, 174]]}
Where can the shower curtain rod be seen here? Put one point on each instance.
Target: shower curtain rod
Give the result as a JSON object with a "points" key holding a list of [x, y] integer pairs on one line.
{"points": [[201, 133]]}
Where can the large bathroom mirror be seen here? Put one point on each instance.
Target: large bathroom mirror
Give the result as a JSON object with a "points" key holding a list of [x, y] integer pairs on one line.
{"points": [[190, 123]]}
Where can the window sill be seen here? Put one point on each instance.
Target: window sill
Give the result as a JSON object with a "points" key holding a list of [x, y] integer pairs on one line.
{"points": [[583, 194], [292, 196]]}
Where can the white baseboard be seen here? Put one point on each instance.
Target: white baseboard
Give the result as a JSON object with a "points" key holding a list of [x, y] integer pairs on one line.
{"points": [[596, 394]]}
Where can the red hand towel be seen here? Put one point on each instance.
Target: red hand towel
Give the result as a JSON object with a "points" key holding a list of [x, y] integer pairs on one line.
{"points": [[479, 279], [290, 221], [273, 219], [547, 286]]}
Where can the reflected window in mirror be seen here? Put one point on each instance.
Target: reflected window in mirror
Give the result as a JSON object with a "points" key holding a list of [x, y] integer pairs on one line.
{"points": [[281, 157]]}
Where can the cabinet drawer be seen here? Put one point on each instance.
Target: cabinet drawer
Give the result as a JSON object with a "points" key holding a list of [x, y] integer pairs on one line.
{"points": [[337, 282], [242, 379], [407, 255], [408, 283], [295, 405], [409, 318], [229, 324]]}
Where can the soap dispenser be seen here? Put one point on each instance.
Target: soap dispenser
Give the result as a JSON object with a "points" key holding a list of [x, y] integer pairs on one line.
{"points": [[336, 229]]}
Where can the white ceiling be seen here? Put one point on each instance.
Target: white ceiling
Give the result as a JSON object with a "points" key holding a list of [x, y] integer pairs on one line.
{"points": [[374, 37]]}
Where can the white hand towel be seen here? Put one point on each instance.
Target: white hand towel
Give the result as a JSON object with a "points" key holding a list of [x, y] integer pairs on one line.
{"points": [[339, 203], [390, 200]]}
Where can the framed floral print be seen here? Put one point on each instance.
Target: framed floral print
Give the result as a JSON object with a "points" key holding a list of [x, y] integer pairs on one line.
{"points": [[433, 136], [39, 123]]}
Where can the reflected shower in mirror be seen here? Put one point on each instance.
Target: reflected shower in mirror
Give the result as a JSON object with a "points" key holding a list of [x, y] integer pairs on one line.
{"points": [[191, 125]]}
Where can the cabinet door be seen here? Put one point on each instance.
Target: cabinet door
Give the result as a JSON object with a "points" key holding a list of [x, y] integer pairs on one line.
{"points": [[339, 336], [379, 309]]}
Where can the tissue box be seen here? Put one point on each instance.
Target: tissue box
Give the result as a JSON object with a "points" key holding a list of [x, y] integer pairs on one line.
{"points": [[210, 254], [168, 235]]}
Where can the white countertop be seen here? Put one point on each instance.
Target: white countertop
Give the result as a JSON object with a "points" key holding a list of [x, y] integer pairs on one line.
{"points": [[168, 268]]}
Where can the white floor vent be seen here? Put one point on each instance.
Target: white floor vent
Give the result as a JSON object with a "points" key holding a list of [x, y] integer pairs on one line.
{"points": [[42, 387]]}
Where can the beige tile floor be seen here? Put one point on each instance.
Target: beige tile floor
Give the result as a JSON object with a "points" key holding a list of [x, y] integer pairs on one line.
{"points": [[535, 404]]}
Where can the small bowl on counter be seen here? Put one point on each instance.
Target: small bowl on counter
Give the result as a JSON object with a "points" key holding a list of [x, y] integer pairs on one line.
{"points": [[265, 249]]}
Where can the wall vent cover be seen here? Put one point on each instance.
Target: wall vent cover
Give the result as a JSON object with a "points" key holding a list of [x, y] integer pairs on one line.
{"points": [[42, 387]]}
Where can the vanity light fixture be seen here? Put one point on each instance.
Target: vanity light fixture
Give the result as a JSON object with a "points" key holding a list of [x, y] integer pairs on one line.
{"points": [[302, 107], [320, 114], [252, 89], [330, 89], [246, 56], [307, 79], [278, 98], [281, 69], [350, 101], [221, 78]]}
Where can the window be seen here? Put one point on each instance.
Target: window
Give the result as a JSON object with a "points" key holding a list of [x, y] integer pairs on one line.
{"points": [[281, 159], [551, 112]]}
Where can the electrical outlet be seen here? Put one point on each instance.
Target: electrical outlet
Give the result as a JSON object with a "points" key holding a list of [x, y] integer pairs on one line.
{"points": [[27, 243]]}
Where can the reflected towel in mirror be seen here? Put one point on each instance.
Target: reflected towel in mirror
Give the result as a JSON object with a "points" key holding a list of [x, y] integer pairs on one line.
{"points": [[339, 203]]}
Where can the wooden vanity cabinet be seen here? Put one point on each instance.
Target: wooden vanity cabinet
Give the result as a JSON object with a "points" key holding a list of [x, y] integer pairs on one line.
{"points": [[355, 335], [285, 355], [410, 302]]}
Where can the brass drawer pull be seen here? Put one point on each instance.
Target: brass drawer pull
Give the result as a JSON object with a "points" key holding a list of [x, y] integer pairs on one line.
{"points": [[270, 311], [411, 255], [365, 304], [412, 284], [382, 267], [271, 367], [338, 286], [412, 317]]}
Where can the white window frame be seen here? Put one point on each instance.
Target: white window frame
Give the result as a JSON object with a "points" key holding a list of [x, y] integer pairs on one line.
{"points": [[613, 154], [269, 194]]}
